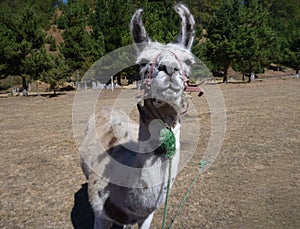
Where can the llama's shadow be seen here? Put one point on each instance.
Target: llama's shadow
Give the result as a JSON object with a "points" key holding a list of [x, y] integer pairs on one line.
{"points": [[82, 215]]}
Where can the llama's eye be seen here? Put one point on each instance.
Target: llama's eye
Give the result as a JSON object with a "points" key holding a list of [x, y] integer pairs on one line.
{"points": [[189, 62]]}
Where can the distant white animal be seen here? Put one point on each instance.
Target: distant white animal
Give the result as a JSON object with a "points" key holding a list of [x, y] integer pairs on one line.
{"points": [[112, 136]]}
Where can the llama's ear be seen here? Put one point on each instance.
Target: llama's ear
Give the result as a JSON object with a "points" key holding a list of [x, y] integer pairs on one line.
{"points": [[138, 30], [187, 31]]}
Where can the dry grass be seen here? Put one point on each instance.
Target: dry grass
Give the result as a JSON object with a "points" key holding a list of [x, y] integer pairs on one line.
{"points": [[254, 182]]}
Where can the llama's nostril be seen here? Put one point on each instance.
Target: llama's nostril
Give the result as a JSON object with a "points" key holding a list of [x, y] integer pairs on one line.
{"points": [[162, 67], [168, 69]]}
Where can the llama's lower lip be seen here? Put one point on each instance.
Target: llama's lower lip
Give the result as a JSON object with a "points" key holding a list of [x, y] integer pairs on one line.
{"points": [[174, 87], [170, 93], [166, 95], [166, 85]]}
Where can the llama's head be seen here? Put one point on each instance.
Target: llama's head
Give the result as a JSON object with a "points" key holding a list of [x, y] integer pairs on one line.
{"points": [[164, 68]]}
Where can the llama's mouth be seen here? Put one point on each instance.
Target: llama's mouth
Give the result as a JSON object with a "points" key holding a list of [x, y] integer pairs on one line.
{"points": [[168, 96], [164, 81], [161, 103]]}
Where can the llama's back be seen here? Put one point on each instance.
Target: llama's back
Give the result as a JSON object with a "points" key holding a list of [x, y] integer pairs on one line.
{"points": [[106, 129]]}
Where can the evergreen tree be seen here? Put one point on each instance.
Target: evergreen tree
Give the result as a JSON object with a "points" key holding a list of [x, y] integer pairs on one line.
{"points": [[238, 36], [202, 11], [57, 72], [291, 54], [22, 49], [161, 20], [221, 29], [111, 18], [255, 41], [45, 10], [285, 20], [80, 48]]}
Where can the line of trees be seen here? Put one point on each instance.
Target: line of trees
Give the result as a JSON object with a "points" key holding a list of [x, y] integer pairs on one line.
{"points": [[249, 35], [245, 35], [23, 26]]}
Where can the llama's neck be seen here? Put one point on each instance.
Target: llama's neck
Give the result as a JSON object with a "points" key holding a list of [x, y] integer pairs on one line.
{"points": [[149, 131]]}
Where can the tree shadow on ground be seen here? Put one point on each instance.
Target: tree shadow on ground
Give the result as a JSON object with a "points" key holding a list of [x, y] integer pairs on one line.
{"points": [[50, 94], [238, 82], [82, 215]]}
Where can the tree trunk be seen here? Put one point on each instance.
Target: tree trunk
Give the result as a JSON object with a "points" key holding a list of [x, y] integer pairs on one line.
{"points": [[225, 78], [226, 66], [37, 87], [53, 87], [24, 86]]}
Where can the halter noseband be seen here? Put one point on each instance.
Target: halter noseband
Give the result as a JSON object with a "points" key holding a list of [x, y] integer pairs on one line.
{"points": [[155, 62], [187, 87]]}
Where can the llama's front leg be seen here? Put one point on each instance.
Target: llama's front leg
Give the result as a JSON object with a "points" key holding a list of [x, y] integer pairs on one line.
{"points": [[147, 223], [100, 223]]}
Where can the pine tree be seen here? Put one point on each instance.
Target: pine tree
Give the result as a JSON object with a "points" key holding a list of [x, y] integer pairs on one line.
{"points": [[80, 48], [285, 20], [255, 41], [161, 20], [111, 18], [221, 36], [22, 45], [57, 72], [238, 35]]}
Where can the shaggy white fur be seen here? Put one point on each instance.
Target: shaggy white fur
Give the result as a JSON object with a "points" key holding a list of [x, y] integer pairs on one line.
{"points": [[132, 184]]}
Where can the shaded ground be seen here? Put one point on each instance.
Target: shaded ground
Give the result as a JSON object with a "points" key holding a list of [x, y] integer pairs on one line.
{"points": [[254, 182]]}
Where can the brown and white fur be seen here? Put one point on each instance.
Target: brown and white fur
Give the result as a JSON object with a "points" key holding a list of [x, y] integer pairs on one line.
{"points": [[112, 136]]}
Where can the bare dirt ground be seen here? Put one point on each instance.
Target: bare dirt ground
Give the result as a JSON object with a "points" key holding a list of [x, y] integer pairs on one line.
{"points": [[253, 183]]}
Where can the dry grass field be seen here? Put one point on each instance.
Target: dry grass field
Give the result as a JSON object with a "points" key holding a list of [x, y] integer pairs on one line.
{"points": [[253, 183]]}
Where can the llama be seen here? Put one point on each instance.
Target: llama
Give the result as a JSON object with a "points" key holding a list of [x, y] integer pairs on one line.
{"points": [[125, 145]]}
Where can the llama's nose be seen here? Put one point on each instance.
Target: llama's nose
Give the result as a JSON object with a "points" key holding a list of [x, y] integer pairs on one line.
{"points": [[168, 68]]}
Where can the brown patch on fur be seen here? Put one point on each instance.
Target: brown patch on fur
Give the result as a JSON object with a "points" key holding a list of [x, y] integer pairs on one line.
{"points": [[112, 141], [126, 135]]}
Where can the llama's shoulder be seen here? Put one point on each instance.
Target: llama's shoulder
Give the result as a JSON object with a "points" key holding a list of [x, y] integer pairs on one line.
{"points": [[114, 127], [106, 129]]}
